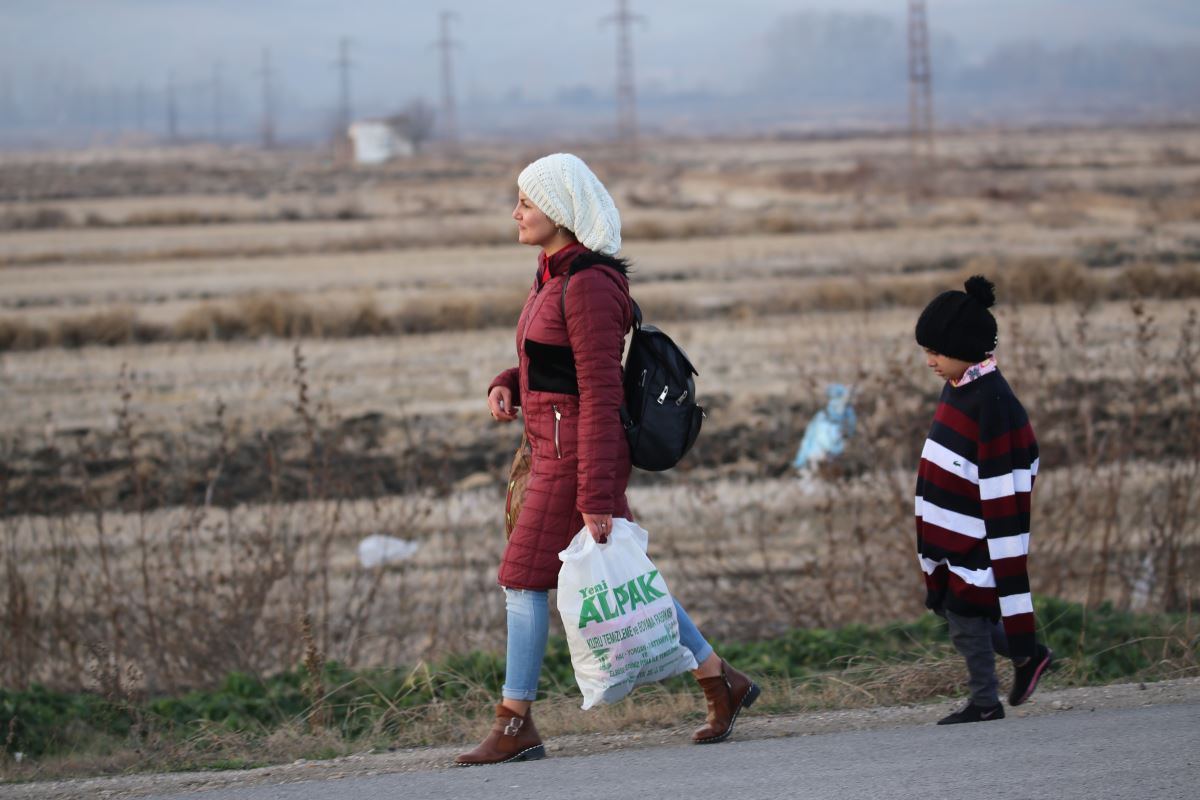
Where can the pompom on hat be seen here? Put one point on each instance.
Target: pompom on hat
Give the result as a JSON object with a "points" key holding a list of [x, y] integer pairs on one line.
{"points": [[570, 194], [958, 324]]}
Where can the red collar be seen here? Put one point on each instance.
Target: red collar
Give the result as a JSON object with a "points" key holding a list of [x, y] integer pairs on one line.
{"points": [[555, 265]]}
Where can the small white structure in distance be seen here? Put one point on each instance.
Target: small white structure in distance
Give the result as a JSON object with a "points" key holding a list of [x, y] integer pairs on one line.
{"points": [[379, 549], [376, 141]]}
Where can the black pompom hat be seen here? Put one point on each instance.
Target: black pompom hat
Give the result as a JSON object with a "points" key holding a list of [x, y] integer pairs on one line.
{"points": [[958, 324]]}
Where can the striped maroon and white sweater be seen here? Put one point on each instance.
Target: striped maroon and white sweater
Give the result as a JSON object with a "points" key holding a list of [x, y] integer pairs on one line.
{"points": [[974, 488]]}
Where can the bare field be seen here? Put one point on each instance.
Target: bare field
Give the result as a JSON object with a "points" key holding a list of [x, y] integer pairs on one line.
{"points": [[194, 438], [782, 358], [708, 265]]}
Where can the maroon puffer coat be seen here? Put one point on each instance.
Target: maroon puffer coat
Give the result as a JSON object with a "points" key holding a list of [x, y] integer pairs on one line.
{"points": [[569, 387]]}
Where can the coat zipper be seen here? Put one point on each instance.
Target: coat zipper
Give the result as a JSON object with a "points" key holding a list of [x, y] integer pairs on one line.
{"points": [[557, 418]]}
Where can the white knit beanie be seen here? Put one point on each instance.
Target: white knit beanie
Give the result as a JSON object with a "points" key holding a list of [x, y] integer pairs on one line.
{"points": [[569, 193]]}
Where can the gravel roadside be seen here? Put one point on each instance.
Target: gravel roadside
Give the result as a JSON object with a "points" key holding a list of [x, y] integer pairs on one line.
{"points": [[1081, 700]]}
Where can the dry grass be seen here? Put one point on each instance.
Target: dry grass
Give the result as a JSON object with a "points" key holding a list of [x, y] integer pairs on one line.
{"points": [[53, 218], [930, 672], [188, 592], [287, 316], [652, 708]]}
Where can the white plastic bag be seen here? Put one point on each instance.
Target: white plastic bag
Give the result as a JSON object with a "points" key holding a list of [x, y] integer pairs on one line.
{"points": [[379, 549], [619, 617]]}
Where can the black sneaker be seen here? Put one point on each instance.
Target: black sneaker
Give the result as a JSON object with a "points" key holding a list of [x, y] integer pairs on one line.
{"points": [[974, 713], [1025, 678]]}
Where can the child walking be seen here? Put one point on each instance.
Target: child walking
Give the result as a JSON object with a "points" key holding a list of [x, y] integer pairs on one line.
{"points": [[974, 488]]}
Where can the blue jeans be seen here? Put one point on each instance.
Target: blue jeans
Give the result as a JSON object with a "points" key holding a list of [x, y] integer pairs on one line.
{"points": [[529, 626]]}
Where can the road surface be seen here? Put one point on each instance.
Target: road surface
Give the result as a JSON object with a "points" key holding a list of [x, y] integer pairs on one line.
{"points": [[1148, 753]]}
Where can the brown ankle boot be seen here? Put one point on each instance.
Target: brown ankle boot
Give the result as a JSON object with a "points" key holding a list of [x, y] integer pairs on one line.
{"points": [[513, 738], [726, 694]]}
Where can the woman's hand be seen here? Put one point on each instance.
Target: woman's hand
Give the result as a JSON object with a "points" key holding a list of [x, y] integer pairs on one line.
{"points": [[501, 405], [600, 526]]}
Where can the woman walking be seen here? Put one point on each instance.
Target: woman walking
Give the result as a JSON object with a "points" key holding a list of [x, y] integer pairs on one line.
{"points": [[568, 384]]}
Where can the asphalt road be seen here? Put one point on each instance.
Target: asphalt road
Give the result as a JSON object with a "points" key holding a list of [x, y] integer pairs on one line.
{"points": [[1150, 753]]}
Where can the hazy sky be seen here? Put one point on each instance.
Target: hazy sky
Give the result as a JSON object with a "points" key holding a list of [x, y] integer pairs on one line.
{"points": [[531, 46]]}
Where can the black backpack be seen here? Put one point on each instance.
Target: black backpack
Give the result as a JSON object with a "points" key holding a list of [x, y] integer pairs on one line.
{"points": [[660, 414]]}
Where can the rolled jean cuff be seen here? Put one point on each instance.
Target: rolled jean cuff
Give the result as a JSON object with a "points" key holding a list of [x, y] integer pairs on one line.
{"points": [[690, 636], [702, 654]]}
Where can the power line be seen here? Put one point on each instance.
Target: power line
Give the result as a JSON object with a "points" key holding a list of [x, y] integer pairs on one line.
{"points": [[267, 129], [172, 110], [217, 110], [920, 103], [449, 109], [626, 96], [343, 65], [140, 104], [116, 98], [8, 103]]}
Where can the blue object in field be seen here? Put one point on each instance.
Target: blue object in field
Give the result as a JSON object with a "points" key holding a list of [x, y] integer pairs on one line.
{"points": [[826, 434]]}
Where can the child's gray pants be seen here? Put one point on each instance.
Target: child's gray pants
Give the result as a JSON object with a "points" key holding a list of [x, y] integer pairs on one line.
{"points": [[977, 640]]}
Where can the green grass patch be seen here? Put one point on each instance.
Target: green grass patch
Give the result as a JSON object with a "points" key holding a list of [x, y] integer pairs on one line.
{"points": [[430, 703]]}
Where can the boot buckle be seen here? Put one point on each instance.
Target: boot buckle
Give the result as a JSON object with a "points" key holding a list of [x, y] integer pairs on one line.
{"points": [[513, 726]]}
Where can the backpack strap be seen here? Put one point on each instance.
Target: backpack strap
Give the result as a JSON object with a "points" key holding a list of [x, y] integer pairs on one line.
{"points": [[581, 263]]}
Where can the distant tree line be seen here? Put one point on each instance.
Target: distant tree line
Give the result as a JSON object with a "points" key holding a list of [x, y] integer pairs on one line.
{"points": [[844, 57]]}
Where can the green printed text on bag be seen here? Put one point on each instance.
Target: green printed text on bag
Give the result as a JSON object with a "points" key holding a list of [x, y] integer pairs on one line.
{"points": [[601, 604]]}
